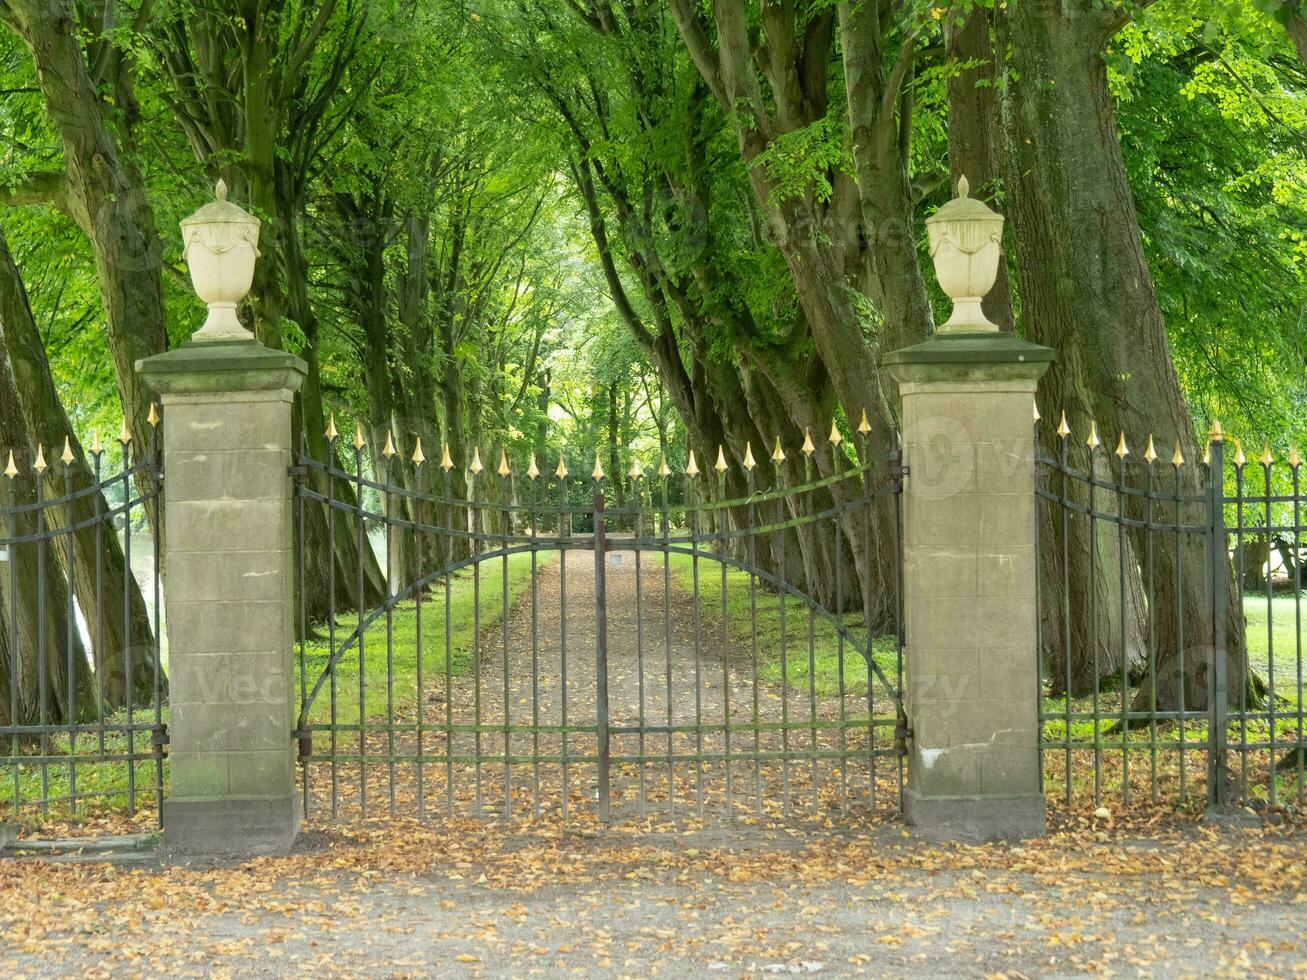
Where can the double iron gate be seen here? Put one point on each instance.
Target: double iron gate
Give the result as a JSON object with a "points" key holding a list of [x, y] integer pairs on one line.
{"points": [[607, 645]]}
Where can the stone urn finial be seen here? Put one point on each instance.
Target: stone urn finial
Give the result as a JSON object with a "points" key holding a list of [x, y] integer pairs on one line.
{"points": [[966, 245], [220, 245]]}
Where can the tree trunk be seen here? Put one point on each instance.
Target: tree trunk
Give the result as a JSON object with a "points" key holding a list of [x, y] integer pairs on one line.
{"points": [[109, 202], [101, 581], [1087, 293], [972, 141]]}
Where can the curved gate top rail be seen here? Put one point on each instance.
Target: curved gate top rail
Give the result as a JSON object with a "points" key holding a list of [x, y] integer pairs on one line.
{"points": [[674, 641]]}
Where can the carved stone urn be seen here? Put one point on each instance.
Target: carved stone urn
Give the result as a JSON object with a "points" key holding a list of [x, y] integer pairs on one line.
{"points": [[221, 244], [966, 245]]}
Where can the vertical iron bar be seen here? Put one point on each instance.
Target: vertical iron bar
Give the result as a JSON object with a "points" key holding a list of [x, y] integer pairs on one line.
{"points": [[692, 490], [1039, 619], [388, 513], [475, 525], [70, 627], [723, 546], [565, 533], [667, 644], [304, 734], [534, 484], [1218, 792], [130, 674], [1121, 599], [1273, 796], [449, 639], [638, 530], [1152, 634], [781, 504], [100, 518], [864, 580], [1065, 509], [1092, 469], [419, 567], [601, 652], [837, 466], [812, 644], [1298, 573], [11, 529], [360, 541], [752, 517], [156, 483], [506, 524], [1179, 616], [332, 462]]}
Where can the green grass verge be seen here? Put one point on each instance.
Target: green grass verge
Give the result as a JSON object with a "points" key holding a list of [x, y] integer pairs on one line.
{"points": [[821, 670]]}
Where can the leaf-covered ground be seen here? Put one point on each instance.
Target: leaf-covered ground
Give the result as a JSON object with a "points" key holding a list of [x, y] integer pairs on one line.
{"points": [[1147, 895]]}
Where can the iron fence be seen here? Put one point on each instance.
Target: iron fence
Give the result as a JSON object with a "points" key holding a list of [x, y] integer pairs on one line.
{"points": [[608, 645], [82, 681], [1171, 624]]}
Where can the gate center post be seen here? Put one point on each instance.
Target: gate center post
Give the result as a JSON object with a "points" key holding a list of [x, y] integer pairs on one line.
{"points": [[601, 652]]}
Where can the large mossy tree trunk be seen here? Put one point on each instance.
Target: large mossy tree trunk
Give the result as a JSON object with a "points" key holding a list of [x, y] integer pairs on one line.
{"points": [[106, 197], [107, 593], [1086, 292]]}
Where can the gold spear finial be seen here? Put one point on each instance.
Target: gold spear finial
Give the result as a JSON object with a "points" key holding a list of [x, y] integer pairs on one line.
{"points": [[720, 465], [11, 470], [749, 462], [124, 434], [418, 457], [807, 448], [446, 463], [636, 471], [561, 470], [1239, 458], [1063, 429], [1267, 459], [388, 449], [1150, 453], [778, 454], [1092, 442], [66, 457], [1216, 434], [532, 471], [1122, 451], [663, 469], [863, 425], [153, 417], [1294, 459], [504, 469], [476, 466], [331, 428], [692, 467], [96, 447], [1207, 453], [1035, 407], [39, 465], [1177, 459], [359, 441], [835, 437], [598, 473]]}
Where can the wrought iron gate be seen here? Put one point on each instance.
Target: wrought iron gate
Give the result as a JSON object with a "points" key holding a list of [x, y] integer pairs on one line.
{"points": [[681, 643]]}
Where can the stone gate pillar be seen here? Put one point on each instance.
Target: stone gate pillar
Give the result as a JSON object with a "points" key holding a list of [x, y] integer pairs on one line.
{"points": [[228, 561], [969, 552]]}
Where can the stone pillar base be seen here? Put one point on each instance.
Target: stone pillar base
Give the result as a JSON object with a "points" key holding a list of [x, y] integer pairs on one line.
{"points": [[975, 819], [230, 827], [8, 834]]}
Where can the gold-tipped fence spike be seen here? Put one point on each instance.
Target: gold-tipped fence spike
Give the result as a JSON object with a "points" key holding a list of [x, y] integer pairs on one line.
{"points": [[1216, 435], [561, 470], [1177, 459], [636, 471], [39, 465], [11, 470], [1035, 408], [835, 437], [359, 441], [692, 467], [124, 434], [778, 454], [749, 461], [418, 458], [153, 417], [532, 471], [331, 428], [807, 448], [1150, 453], [96, 446], [1122, 450], [476, 466], [1267, 459], [446, 463], [863, 425], [388, 449], [1239, 458], [1093, 441], [1294, 459], [66, 457], [720, 465], [663, 469], [504, 468], [1063, 429], [598, 473]]}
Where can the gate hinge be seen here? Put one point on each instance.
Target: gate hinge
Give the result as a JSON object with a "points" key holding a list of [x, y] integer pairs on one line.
{"points": [[305, 744]]}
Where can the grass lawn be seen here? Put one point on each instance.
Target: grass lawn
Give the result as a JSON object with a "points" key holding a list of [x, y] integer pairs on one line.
{"points": [[1286, 635], [825, 663]]}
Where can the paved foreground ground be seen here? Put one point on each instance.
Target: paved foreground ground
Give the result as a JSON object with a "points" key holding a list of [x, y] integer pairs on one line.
{"points": [[475, 899]]}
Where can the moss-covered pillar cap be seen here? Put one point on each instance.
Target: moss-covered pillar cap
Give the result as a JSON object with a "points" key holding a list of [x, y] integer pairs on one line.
{"points": [[212, 366], [969, 357]]}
